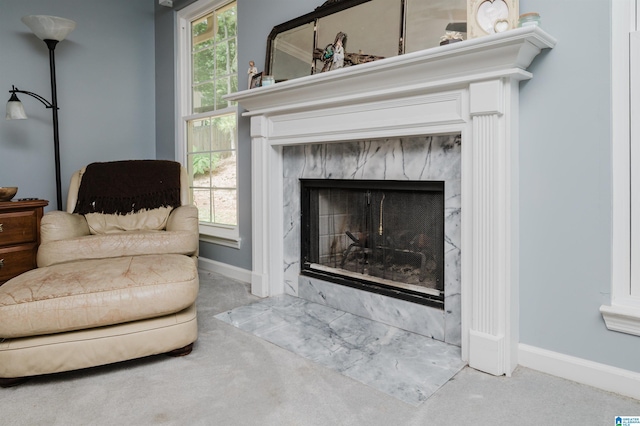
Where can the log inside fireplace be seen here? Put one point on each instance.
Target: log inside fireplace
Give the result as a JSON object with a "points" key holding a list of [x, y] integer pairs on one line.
{"points": [[381, 236]]}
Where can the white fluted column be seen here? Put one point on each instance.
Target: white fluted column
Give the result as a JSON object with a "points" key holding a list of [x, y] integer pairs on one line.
{"points": [[266, 211], [491, 338]]}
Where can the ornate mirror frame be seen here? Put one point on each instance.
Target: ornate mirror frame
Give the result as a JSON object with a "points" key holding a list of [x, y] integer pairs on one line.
{"points": [[328, 8], [302, 47]]}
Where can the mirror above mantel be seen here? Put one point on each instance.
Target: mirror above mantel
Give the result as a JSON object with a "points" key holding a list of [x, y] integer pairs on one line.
{"points": [[342, 33]]}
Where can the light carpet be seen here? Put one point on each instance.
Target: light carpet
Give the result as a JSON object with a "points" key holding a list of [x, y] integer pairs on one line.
{"points": [[235, 378]]}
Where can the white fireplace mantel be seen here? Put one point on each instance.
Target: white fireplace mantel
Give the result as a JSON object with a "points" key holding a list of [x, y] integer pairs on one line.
{"points": [[471, 88]]}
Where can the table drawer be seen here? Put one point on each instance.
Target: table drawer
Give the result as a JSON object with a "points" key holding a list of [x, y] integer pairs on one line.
{"points": [[16, 260], [18, 227]]}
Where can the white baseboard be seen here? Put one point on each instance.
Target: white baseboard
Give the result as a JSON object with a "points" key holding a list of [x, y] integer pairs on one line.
{"points": [[602, 376], [225, 269]]}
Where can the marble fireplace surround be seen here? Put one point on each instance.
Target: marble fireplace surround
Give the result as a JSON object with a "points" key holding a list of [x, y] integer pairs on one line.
{"points": [[426, 158], [468, 88]]}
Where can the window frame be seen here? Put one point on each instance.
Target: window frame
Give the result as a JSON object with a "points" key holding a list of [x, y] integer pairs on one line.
{"points": [[623, 312], [226, 235]]}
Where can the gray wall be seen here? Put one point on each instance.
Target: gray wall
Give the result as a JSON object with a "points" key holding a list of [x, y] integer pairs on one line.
{"points": [[565, 188], [166, 108], [105, 75]]}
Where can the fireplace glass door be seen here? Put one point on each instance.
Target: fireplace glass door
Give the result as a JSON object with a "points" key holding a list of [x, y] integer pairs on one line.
{"points": [[381, 236]]}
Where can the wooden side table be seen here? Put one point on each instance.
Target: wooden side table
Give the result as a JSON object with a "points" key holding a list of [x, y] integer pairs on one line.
{"points": [[19, 236]]}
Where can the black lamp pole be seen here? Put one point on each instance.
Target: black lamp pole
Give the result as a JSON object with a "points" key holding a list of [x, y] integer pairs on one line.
{"points": [[51, 44]]}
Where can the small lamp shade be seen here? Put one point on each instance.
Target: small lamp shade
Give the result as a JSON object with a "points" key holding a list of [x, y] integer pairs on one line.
{"points": [[15, 109], [49, 27]]}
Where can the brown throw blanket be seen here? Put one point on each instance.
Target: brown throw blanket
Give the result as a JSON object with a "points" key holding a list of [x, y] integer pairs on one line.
{"points": [[121, 187]]}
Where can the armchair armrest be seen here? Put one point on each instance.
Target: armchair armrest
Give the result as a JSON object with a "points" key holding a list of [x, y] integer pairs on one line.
{"points": [[184, 218], [59, 225]]}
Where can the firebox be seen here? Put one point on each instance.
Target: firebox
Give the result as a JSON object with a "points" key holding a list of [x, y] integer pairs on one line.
{"points": [[381, 236]]}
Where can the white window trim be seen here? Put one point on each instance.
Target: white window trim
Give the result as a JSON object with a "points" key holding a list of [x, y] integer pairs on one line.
{"points": [[228, 236], [623, 314]]}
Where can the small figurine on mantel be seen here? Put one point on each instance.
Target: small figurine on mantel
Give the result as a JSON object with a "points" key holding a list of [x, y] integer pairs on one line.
{"points": [[334, 56], [450, 37], [252, 71], [338, 54]]}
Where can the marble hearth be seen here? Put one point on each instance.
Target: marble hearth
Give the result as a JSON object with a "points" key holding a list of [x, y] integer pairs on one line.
{"points": [[325, 124]]}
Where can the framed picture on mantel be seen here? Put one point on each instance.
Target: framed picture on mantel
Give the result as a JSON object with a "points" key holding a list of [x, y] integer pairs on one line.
{"points": [[491, 16]]}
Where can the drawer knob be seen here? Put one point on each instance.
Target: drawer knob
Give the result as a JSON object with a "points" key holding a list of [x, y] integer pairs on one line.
{"points": [[1, 263], [0, 227]]}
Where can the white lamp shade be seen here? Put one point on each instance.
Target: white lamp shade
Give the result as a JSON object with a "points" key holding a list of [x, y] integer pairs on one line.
{"points": [[49, 27], [15, 111]]}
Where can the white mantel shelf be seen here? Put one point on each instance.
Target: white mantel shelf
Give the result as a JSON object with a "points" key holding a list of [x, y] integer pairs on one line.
{"points": [[503, 54], [471, 88]]}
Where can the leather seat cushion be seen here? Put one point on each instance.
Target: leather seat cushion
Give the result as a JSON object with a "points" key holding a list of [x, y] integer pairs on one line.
{"points": [[94, 293]]}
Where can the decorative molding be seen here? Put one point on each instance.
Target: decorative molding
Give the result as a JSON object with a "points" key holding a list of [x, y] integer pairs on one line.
{"points": [[605, 377], [259, 190], [368, 120], [491, 347], [621, 318], [457, 64], [227, 242], [623, 312]]}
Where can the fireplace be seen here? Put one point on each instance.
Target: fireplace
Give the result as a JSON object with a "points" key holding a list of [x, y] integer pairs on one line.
{"points": [[468, 88], [386, 237], [366, 174]]}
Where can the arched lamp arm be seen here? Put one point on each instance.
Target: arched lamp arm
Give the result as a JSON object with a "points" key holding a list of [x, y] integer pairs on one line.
{"points": [[46, 103]]}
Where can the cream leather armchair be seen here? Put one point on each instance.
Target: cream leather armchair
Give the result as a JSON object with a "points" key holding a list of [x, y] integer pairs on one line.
{"points": [[67, 237], [108, 288]]}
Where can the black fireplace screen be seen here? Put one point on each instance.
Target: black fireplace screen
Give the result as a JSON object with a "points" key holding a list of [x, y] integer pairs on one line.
{"points": [[383, 236]]}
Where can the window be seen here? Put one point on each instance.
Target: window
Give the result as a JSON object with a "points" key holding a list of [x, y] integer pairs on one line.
{"points": [[623, 314], [207, 142]]}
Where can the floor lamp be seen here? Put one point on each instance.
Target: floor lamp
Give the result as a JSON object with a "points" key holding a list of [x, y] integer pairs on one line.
{"points": [[51, 30]]}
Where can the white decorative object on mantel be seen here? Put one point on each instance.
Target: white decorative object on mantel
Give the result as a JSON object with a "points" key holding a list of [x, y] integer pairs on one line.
{"points": [[470, 88], [491, 16]]}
